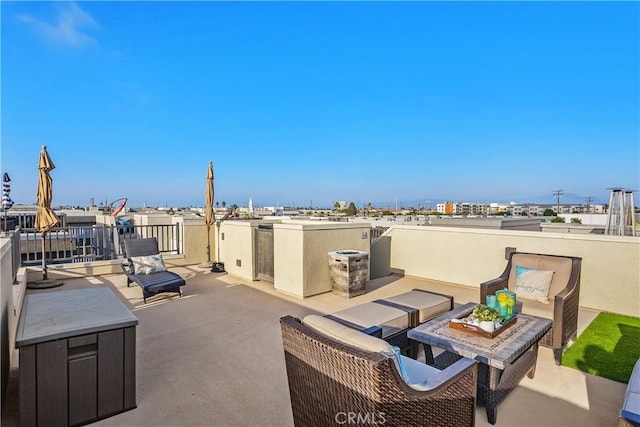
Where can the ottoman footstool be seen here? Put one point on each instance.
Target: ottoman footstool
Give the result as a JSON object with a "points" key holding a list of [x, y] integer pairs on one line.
{"points": [[427, 304], [392, 321], [396, 315]]}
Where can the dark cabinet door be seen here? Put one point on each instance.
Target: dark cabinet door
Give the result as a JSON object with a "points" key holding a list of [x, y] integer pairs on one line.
{"points": [[264, 252], [83, 379], [51, 380]]}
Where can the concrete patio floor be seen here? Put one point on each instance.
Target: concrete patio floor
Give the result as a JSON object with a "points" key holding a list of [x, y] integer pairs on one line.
{"points": [[214, 358]]}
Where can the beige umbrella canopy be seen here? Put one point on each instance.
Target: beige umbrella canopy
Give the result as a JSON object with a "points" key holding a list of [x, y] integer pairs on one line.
{"points": [[46, 219], [209, 216]]}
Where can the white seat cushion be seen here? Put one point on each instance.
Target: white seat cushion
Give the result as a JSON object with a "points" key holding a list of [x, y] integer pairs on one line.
{"points": [[347, 335], [390, 320], [429, 305], [631, 405], [417, 373], [414, 373], [634, 381]]}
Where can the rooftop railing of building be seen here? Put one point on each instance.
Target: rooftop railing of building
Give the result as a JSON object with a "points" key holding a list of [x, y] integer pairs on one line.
{"points": [[86, 243]]}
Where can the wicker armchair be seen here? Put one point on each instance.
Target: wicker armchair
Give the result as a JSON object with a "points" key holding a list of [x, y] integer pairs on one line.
{"points": [[564, 295], [331, 383]]}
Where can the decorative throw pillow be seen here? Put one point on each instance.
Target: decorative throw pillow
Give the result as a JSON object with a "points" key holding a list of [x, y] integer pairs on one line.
{"points": [[533, 284], [138, 265], [148, 264]]}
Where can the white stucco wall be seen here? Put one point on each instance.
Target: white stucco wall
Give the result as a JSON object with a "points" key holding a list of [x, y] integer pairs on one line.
{"points": [[237, 246], [301, 266], [610, 264], [7, 317]]}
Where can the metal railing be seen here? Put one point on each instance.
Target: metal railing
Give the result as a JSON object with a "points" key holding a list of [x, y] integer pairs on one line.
{"points": [[27, 219], [92, 242], [376, 232]]}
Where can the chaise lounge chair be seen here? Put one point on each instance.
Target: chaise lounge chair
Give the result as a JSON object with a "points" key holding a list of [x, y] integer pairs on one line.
{"points": [[147, 269]]}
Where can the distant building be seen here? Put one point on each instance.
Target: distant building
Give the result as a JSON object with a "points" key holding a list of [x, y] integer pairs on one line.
{"points": [[513, 209]]}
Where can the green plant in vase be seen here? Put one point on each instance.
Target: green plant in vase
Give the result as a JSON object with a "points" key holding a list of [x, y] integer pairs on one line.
{"points": [[483, 313], [488, 318]]}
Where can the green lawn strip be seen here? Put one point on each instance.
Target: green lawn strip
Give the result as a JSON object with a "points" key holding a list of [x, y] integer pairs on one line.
{"points": [[609, 347]]}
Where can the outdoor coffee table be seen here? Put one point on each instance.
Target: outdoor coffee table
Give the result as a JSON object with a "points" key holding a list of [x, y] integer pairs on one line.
{"points": [[504, 360]]}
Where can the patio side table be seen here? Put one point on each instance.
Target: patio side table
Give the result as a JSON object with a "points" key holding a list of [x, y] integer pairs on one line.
{"points": [[77, 357], [504, 360]]}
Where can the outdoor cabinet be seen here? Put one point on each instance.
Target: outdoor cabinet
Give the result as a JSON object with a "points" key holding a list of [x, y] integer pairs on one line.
{"points": [[83, 372]]}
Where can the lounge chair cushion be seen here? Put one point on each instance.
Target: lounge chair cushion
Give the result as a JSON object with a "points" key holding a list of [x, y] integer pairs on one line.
{"points": [[412, 372], [532, 284], [148, 264], [159, 282]]}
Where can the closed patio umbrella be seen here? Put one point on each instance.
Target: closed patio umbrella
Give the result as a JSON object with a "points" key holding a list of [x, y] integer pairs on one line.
{"points": [[7, 203], [46, 219], [209, 216]]}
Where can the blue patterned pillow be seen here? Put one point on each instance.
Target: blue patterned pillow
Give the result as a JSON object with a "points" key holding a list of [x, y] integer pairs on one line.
{"points": [[533, 284]]}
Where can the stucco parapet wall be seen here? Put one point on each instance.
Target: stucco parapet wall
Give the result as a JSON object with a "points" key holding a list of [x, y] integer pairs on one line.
{"points": [[191, 221], [92, 268], [484, 222], [4, 246], [536, 234], [307, 226], [244, 223], [153, 215]]}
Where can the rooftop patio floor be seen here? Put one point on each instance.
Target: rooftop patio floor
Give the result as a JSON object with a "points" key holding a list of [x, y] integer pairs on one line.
{"points": [[214, 357]]}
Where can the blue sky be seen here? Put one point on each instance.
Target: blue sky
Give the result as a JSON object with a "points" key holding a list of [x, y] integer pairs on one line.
{"points": [[313, 102]]}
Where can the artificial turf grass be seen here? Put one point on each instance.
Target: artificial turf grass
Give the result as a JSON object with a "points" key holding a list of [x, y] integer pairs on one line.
{"points": [[609, 347]]}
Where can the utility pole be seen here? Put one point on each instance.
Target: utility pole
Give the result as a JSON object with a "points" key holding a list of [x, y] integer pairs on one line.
{"points": [[558, 194], [588, 200]]}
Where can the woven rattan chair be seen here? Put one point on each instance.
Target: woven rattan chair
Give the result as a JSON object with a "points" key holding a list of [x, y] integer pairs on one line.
{"points": [[154, 283], [332, 383], [564, 295]]}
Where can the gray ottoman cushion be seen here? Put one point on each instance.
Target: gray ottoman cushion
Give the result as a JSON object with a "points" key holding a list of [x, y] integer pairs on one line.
{"points": [[429, 305], [390, 319]]}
